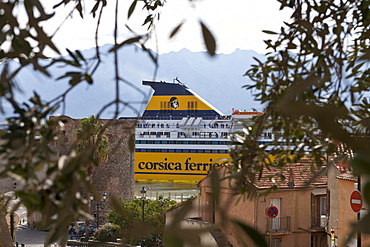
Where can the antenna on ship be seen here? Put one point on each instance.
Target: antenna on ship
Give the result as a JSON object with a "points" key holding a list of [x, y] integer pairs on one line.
{"points": [[177, 79]]}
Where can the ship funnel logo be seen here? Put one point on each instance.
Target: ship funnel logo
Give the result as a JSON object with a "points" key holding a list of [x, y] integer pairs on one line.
{"points": [[174, 102]]}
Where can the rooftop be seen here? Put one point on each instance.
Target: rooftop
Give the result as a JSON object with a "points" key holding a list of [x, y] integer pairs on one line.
{"points": [[297, 175]]}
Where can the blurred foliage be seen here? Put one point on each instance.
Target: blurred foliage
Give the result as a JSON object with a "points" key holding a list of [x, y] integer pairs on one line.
{"points": [[93, 145], [92, 142], [47, 183], [106, 233], [50, 184], [314, 83], [137, 225]]}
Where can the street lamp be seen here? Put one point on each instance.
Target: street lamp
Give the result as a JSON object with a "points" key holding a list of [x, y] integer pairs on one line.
{"points": [[12, 214], [143, 192], [98, 204]]}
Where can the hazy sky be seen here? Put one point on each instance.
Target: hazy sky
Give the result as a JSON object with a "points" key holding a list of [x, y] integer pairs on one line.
{"points": [[234, 23]]}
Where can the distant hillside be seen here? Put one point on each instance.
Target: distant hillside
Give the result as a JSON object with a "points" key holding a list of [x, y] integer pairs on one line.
{"points": [[219, 80]]}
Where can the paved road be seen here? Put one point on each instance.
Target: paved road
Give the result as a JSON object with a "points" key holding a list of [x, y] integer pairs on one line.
{"points": [[29, 237], [25, 235]]}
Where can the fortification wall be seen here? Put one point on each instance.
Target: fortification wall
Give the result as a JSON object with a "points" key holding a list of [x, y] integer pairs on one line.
{"points": [[116, 176]]}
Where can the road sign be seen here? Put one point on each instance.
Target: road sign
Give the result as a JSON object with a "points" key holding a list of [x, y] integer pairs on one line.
{"points": [[356, 201], [272, 212]]}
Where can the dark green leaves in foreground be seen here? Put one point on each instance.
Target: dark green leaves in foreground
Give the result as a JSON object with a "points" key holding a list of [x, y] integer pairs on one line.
{"points": [[176, 30], [131, 9], [209, 40], [78, 61], [253, 234], [314, 82]]}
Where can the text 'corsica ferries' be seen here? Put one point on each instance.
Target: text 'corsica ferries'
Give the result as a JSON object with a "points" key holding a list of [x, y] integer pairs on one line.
{"points": [[180, 137]]}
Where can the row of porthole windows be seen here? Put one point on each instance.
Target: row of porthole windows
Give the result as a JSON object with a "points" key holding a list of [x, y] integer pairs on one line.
{"points": [[208, 134], [182, 142], [200, 142], [198, 135], [157, 134], [145, 150], [151, 150], [148, 125], [182, 134]]}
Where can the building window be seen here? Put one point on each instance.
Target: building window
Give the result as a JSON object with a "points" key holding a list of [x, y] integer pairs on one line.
{"points": [[322, 205], [319, 210]]}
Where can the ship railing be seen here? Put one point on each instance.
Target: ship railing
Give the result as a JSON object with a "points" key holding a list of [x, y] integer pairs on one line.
{"points": [[176, 196], [177, 118], [177, 126], [195, 137]]}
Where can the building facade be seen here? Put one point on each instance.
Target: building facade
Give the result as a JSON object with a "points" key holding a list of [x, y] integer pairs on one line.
{"points": [[341, 184], [302, 209]]}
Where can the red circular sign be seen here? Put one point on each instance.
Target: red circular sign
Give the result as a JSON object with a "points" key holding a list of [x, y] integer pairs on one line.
{"points": [[356, 201], [272, 212]]}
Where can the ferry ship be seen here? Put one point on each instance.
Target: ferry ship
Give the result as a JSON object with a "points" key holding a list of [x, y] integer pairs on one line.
{"points": [[181, 137]]}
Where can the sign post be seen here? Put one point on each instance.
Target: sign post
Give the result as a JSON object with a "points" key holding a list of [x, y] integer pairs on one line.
{"points": [[356, 205], [271, 212], [356, 201]]}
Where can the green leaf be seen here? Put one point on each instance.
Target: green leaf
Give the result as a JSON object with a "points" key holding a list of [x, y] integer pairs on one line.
{"points": [[175, 30], [79, 54], [269, 32], [361, 164], [209, 40], [96, 6], [79, 9], [58, 4], [148, 19], [75, 59], [366, 192], [89, 79], [126, 42], [67, 74], [131, 9], [150, 53], [253, 234]]}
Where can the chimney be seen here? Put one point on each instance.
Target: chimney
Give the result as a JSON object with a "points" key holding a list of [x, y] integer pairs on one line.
{"points": [[291, 178]]}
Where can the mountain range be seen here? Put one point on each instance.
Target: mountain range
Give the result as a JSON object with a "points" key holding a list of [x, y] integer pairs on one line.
{"points": [[219, 80]]}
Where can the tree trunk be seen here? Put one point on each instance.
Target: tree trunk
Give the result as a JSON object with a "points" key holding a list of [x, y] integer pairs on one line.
{"points": [[6, 240]]}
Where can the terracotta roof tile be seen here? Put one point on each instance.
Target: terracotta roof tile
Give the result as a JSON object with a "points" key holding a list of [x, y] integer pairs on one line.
{"points": [[347, 176], [298, 175]]}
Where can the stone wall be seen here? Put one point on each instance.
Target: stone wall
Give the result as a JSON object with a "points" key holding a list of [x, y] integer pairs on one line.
{"points": [[116, 176], [6, 185]]}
